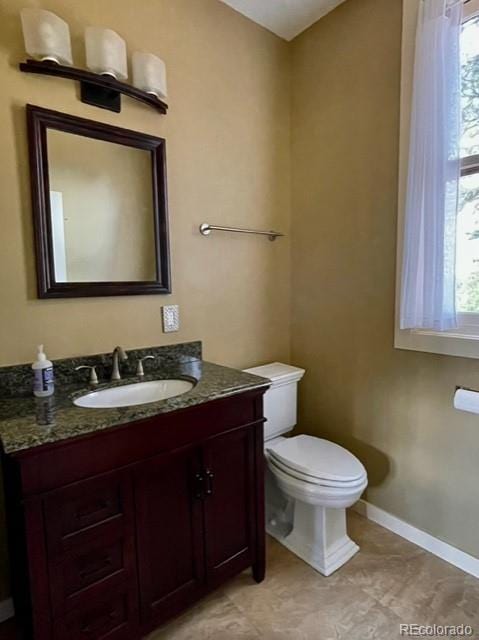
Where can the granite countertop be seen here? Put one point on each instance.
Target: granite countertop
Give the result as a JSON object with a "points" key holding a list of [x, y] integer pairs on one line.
{"points": [[27, 422]]}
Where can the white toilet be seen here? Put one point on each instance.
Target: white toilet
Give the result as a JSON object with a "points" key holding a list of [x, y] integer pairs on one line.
{"points": [[310, 482]]}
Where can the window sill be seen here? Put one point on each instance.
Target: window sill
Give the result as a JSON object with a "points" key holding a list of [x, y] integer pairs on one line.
{"points": [[462, 342]]}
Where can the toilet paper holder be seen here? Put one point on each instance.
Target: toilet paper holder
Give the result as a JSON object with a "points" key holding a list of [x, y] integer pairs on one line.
{"points": [[466, 400]]}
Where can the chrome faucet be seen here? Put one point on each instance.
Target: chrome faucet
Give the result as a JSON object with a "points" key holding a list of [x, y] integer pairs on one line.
{"points": [[118, 356]]}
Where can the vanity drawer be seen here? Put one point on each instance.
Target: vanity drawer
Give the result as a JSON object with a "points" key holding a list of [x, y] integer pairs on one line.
{"points": [[112, 618], [77, 509], [91, 569], [88, 566]]}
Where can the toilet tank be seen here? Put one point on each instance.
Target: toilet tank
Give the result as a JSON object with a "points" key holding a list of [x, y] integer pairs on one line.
{"points": [[280, 400]]}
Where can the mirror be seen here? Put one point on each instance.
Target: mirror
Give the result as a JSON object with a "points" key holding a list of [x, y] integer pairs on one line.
{"points": [[99, 204], [101, 210]]}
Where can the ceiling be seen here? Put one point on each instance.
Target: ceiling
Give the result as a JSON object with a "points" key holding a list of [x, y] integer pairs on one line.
{"points": [[285, 18]]}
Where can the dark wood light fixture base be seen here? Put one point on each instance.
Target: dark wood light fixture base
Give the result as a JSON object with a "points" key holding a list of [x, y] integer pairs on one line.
{"points": [[100, 91]]}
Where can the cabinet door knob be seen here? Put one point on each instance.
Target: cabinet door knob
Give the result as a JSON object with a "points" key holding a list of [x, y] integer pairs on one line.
{"points": [[199, 480], [209, 482]]}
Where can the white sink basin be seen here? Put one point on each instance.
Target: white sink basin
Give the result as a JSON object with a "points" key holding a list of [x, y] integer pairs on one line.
{"points": [[133, 394]]}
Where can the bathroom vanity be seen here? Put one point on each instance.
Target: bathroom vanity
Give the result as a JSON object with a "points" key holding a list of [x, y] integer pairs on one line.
{"points": [[121, 518]]}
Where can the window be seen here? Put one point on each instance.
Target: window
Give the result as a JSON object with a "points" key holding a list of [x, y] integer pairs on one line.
{"points": [[467, 246], [464, 340]]}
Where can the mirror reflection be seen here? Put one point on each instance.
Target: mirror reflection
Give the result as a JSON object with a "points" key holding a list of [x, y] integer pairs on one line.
{"points": [[102, 210]]}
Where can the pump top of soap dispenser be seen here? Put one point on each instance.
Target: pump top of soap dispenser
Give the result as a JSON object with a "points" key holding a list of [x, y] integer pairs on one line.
{"points": [[41, 355]]}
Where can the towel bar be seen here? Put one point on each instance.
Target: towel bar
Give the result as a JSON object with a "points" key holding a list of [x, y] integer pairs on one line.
{"points": [[206, 229]]}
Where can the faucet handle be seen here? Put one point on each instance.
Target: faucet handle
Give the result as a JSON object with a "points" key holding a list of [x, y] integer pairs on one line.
{"points": [[139, 367], [93, 376]]}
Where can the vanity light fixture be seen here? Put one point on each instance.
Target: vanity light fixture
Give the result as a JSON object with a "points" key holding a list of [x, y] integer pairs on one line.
{"points": [[47, 37], [47, 41], [106, 52], [149, 74]]}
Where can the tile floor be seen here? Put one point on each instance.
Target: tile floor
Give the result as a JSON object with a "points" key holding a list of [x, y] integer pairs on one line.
{"points": [[389, 582]]}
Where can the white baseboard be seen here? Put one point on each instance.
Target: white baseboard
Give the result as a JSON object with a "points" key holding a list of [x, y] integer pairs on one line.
{"points": [[443, 550], [6, 610]]}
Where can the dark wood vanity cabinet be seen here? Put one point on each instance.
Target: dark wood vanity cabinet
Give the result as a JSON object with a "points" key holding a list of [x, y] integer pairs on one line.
{"points": [[113, 533], [169, 509], [195, 514], [229, 507]]}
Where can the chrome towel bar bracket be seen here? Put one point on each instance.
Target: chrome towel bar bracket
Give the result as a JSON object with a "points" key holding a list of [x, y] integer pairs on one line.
{"points": [[206, 229]]}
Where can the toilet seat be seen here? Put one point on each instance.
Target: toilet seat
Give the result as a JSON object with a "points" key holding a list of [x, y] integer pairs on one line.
{"points": [[317, 494], [317, 461], [336, 484]]}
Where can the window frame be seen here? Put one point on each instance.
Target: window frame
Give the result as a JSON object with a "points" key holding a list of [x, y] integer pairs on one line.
{"points": [[467, 321], [464, 340], [471, 9]]}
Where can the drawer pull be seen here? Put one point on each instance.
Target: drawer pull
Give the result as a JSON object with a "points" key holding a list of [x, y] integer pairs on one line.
{"points": [[81, 515], [103, 564], [92, 625]]}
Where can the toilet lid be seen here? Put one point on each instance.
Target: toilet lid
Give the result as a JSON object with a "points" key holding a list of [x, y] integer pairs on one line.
{"points": [[274, 463], [318, 458]]}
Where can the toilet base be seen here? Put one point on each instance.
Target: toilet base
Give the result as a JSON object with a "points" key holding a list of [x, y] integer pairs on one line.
{"points": [[318, 537]]}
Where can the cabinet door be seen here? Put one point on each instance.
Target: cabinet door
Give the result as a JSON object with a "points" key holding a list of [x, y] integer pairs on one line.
{"points": [[230, 507], [169, 533]]}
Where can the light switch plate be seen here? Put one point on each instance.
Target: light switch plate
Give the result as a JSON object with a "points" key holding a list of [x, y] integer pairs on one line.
{"points": [[171, 318]]}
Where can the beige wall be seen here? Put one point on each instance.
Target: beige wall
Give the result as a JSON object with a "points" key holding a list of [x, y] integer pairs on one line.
{"points": [[392, 408], [227, 135], [228, 152]]}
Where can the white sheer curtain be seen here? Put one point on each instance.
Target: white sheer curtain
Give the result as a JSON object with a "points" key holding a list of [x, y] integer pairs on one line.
{"points": [[428, 270]]}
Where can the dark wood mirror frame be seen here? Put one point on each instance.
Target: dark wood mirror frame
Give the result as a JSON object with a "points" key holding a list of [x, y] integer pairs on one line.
{"points": [[39, 121]]}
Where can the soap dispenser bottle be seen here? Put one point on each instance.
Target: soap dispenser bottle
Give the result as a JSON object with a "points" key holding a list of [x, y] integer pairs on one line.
{"points": [[42, 375]]}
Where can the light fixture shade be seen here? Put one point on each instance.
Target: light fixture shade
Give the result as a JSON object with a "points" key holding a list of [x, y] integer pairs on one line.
{"points": [[47, 37], [149, 73], [106, 52]]}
